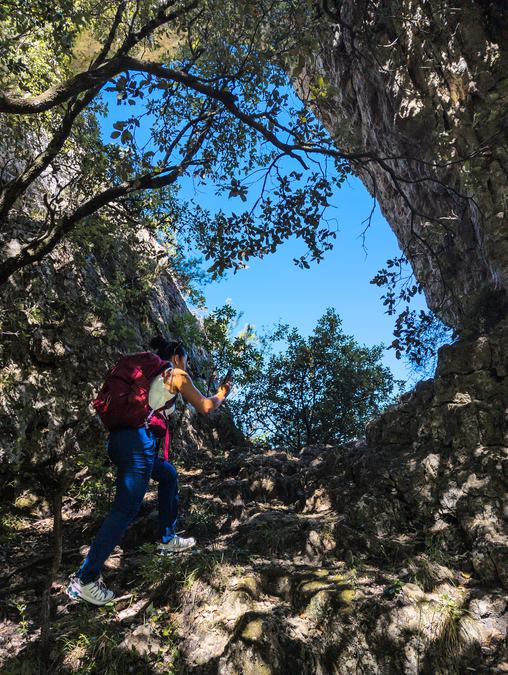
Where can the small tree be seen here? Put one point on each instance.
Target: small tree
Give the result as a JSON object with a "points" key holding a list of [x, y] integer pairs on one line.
{"points": [[321, 389]]}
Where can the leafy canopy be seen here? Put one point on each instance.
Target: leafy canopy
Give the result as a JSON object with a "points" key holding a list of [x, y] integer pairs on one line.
{"points": [[292, 391], [205, 91]]}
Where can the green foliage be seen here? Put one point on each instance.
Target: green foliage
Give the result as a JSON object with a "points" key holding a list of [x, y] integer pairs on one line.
{"points": [[164, 218], [8, 379], [255, 137], [139, 263], [453, 628], [184, 570], [247, 124], [24, 623], [11, 527], [417, 335], [201, 518], [95, 489], [51, 28], [321, 389], [452, 608], [223, 345], [91, 644], [97, 651]]}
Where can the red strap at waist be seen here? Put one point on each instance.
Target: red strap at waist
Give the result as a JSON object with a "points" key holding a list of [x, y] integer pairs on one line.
{"points": [[167, 442]]}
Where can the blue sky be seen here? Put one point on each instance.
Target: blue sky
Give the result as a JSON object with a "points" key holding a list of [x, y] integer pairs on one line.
{"points": [[273, 289]]}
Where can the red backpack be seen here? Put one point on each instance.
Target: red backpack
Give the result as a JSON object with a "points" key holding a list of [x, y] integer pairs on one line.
{"points": [[123, 399]]}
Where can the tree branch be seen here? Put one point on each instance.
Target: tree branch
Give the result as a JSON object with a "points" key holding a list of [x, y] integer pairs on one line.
{"points": [[42, 245], [159, 20], [111, 35], [15, 188], [96, 75]]}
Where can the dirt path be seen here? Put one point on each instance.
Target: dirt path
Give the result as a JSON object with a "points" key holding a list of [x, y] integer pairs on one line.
{"points": [[281, 582]]}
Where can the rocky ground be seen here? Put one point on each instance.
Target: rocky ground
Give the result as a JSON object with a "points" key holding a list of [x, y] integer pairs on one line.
{"points": [[286, 579]]}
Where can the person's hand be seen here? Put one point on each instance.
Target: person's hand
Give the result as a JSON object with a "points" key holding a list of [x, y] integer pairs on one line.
{"points": [[224, 389]]}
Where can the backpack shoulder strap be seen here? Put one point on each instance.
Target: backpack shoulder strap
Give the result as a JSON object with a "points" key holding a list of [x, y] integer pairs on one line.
{"points": [[170, 377]]}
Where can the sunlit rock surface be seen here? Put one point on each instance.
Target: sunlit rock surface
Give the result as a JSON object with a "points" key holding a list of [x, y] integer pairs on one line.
{"points": [[64, 322], [423, 87], [385, 555]]}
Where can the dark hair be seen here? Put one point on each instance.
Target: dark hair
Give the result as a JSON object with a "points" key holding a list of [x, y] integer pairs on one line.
{"points": [[167, 348]]}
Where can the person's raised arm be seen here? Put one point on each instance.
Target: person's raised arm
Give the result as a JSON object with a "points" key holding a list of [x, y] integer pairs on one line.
{"points": [[182, 382]]}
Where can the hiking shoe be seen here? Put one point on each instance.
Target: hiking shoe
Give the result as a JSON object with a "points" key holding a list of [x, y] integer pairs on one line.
{"points": [[176, 545], [94, 592]]}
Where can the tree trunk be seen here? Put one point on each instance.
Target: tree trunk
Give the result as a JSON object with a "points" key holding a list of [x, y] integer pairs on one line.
{"points": [[45, 616]]}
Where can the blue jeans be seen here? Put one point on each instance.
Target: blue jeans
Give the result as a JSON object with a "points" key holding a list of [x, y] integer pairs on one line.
{"points": [[134, 451]]}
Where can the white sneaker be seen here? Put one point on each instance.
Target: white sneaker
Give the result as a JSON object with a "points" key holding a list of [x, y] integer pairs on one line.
{"points": [[176, 545], [94, 592]]}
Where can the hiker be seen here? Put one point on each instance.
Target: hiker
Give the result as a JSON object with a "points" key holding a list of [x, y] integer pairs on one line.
{"points": [[134, 450]]}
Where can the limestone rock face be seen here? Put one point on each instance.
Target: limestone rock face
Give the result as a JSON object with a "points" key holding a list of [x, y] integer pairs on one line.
{"points": [[384, 555], [64, 323], [443, 450], [423, 86], [387, 555]]}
